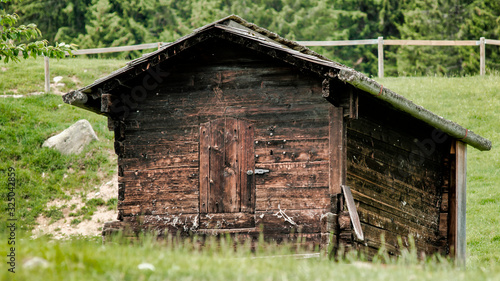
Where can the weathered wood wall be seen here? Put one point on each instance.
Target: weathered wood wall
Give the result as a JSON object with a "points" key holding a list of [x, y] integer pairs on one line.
{"points": [[158, 143], [398, 170]]}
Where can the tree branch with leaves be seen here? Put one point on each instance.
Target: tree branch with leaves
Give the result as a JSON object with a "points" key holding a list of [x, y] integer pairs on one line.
{"points": [[12, 37]]}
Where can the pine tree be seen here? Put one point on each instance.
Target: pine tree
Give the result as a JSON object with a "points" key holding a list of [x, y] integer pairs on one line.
{"points": [[104, 28], [482, 19], [328, 20], [60, 20], [431, 20]]}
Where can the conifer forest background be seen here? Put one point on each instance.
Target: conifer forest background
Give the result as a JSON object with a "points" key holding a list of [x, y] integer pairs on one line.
{"points": [[108, 23]]}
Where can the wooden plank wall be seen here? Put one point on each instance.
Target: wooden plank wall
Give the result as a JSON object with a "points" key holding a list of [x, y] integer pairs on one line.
{"points": [[396, 170], [159, 153]]}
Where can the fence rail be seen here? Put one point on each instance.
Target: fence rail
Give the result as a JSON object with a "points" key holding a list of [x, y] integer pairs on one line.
{"points": [[430, 43], [482, 42], [117, 49], [338, 43], [380, 42]]}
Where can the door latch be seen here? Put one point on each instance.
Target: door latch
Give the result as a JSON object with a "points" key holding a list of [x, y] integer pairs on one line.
{"points": [[261, 171], [257, 172]]}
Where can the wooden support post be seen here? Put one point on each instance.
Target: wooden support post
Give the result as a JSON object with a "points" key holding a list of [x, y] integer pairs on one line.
{"points": [[47, 75], [482, 56], [337, 153], [380, 42], [457, 204], [461, 176]]}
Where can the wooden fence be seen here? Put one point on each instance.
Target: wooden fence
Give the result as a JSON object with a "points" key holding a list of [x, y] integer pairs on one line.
{"points": [[380, 42]]}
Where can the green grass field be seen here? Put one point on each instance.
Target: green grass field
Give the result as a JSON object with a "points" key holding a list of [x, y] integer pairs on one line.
{"points": [[28, 76], [43, 175]]}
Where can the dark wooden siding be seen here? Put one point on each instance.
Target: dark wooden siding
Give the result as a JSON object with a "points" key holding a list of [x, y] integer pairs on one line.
{"points": [[159, 154], [396, 170]]}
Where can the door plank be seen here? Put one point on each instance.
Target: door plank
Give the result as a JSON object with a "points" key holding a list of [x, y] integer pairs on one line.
{"points": [[231, 187], [204, 166], [217, 149], [247, 162]]}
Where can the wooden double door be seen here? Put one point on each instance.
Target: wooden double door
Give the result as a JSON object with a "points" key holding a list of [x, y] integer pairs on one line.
{"points": [[227, 163]]}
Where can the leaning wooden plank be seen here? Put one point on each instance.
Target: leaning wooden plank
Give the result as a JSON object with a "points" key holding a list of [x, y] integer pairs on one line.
{"points": [[353, 213]]}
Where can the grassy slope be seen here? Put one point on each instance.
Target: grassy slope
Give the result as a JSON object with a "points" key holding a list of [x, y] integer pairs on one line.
{"points": [[28, 76], [26, 123], [44, 174]]}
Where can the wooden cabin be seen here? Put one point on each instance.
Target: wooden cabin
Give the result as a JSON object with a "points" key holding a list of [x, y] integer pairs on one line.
{"points": [[233, 129]]}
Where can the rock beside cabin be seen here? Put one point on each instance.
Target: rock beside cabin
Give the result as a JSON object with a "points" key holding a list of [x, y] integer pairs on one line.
{"points": [[74, 139]]}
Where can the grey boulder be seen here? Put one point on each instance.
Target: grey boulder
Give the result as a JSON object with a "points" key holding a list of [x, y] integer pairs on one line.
{"points": [[74, 139]]}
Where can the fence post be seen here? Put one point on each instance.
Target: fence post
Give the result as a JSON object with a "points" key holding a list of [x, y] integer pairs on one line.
{"points": [[380, 42], [47, 75], [482, 56]]}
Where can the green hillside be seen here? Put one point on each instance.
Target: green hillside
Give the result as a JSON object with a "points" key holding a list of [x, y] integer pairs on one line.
{"points": [[43, 175]]}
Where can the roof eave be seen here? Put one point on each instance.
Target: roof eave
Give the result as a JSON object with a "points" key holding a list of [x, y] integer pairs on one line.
{"points": [[456, 131]]}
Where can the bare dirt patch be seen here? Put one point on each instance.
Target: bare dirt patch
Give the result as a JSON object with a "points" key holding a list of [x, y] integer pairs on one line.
{"points": [[55, 88], [75, 79], [63, 228], [20, 96]]}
